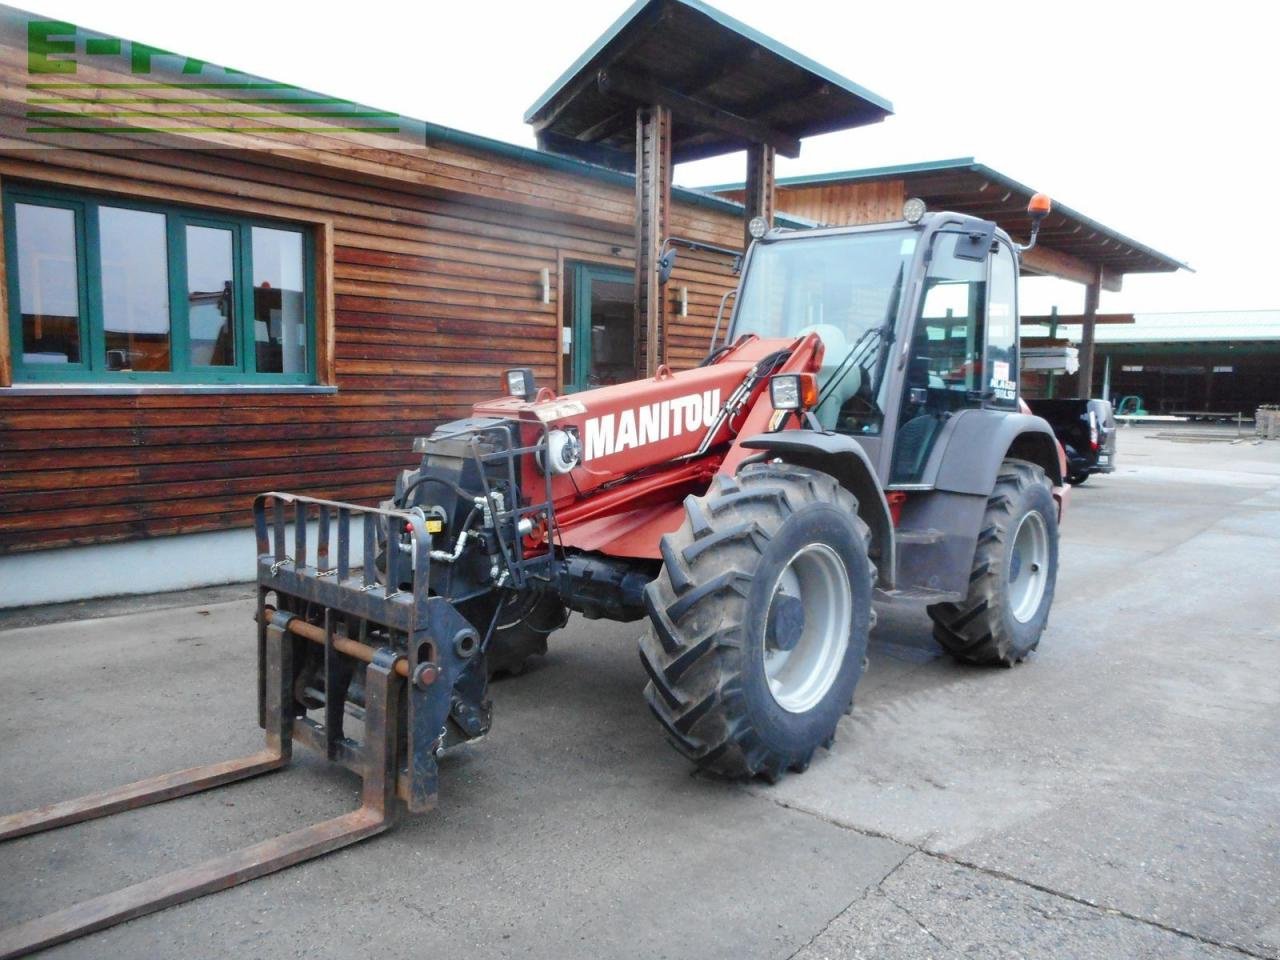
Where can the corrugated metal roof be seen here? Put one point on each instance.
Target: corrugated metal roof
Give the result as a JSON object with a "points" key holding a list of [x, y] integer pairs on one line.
{"points": [[1208, 326]]}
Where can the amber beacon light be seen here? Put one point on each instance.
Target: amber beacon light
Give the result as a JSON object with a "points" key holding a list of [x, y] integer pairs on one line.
{"points": [[1038, 208]]}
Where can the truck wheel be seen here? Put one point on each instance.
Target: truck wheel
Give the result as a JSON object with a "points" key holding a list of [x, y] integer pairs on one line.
{"points": [[521, 633], [1075, 479], [1014, 571], [759, 621]]}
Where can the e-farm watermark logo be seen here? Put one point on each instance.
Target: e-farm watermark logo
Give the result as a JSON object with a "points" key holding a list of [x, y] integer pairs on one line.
{"points": [[86, 83]]}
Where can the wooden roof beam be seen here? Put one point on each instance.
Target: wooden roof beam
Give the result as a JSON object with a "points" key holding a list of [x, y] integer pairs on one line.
{"points": [[624, 160], [690, 110], [606, 128], [565, 97], [1054, 263], [720, 67], [788, 95]]}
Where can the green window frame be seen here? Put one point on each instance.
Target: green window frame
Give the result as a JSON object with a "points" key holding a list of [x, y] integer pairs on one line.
{"points": [[580, 354], [92, 366]]}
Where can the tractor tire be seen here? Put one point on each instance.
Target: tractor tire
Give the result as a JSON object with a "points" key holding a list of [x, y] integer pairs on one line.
{"points": [[521, 632], [759, 621], [1014, 571]]}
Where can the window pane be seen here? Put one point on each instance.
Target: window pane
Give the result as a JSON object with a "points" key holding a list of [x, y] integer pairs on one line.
{"points": [[279, 317], [613, 349], [135, 289], [48, 288], [944, 373], [210, 298], [1002, 328]]}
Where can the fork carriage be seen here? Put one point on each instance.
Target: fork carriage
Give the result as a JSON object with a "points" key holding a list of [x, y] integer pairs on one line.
{"points": [[338, 642]]}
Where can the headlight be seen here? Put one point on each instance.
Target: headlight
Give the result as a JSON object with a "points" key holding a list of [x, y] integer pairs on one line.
{"points": [[913, 210], [793, 391], [757, 227], [520, 383]]}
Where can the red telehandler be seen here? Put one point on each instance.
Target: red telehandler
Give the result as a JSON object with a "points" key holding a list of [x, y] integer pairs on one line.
{"points": [[860, 429]]}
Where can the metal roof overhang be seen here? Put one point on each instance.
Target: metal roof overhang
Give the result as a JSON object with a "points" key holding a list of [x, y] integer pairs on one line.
{"points": [[728, 86], [966, 186]]}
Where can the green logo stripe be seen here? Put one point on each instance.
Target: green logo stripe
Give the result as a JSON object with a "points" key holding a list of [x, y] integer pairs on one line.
{"points": [[189, 100], [132, 129], [153, 85], [365, 114]]}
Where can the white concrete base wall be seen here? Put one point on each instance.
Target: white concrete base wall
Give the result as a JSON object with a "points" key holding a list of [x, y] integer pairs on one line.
{"points": [[141, 566]]}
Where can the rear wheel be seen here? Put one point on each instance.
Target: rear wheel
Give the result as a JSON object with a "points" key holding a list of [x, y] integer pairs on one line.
{"points": [[1014, 571], [759, 621]]}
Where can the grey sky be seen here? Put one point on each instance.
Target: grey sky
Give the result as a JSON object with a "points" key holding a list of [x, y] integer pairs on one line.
{"points": [[1159, 120]]}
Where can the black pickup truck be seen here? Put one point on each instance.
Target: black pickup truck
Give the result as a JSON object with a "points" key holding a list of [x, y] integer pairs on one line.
{"points": [[1087, 431]]}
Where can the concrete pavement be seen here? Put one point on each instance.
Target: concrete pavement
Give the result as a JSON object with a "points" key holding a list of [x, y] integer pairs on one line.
{"points": [[1118, 795]]}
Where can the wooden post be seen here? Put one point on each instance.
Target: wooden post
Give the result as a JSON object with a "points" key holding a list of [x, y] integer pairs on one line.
{"points": [[1084, 379], [6, 348], [653, 205], [1053, 335], [758, 197]]}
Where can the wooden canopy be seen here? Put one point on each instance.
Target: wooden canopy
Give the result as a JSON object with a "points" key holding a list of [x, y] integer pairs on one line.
{"points": [[727, 86], [1071, 245]]}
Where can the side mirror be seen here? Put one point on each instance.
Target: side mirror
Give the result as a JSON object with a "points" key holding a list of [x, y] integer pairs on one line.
{"points": [[666, 263], [1038, 208]]}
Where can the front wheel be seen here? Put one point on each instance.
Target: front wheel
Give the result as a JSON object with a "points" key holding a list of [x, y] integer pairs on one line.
{"points": [[521, 630], [1015, 568], [759, 621]]}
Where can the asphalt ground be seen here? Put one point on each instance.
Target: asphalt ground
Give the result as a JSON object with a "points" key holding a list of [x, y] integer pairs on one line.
{"points": [[1117, 795]]}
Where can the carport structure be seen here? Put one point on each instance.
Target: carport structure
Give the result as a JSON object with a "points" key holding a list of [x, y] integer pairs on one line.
{"points": [[1071, 245], [677, 80]]}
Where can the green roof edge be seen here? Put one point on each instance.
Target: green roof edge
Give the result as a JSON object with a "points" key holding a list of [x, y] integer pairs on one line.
{"points": [[731, 23], [866, 173], [423, 131], [554, 161], [956, 163]]}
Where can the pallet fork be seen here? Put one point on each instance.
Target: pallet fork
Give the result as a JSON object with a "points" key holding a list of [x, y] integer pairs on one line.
{"points": [[407, 696]]}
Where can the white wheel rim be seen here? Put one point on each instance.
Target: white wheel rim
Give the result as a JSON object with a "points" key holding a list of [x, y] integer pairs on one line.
{"points": [[1028, 566], [800, 677]]}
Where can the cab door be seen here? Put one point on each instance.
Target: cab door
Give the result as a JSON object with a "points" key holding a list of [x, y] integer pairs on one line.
{"points": [[945, 368], [963, 351]]}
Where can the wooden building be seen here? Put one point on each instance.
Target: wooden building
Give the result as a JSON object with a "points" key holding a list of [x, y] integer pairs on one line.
{"points": [[1071, 245], [217, 285]]}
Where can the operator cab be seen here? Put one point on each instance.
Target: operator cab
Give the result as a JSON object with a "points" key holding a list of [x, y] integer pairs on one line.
{"points": [[918, 319]]}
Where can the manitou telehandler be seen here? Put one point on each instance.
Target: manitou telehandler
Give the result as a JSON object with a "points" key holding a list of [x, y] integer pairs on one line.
{"points": [[859, 429]]}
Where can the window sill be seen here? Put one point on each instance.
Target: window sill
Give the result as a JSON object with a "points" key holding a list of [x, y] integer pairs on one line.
{"points": [[135, 389]]}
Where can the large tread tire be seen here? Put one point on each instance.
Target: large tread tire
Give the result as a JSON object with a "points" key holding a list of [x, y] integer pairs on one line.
{"points": [[513, 645], [521, 633], [982, 629], [704, 650]]}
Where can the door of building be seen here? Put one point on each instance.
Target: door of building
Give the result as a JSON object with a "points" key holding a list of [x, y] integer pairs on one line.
{"points": [[598, 333]]}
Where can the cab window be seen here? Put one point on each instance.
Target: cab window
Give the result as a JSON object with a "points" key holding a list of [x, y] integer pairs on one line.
{"points": [[945, 370], [1002, 329]]}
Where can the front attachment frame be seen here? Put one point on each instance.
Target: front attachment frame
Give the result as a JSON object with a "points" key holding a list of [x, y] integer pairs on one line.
{"points": [[420, 647]]}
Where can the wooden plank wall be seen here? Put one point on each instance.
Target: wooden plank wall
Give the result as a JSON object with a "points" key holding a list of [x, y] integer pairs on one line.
{"points": [[436, 287], [839, 204]]}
